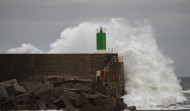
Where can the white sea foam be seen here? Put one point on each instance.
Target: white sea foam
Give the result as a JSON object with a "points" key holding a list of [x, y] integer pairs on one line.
{"points": [[174, 107], [149, 75], [187, 91]]}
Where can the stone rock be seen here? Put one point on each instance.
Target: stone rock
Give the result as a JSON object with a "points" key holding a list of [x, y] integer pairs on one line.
{"points": [[98, 108], [109, 101], [37, 87], [40, 104], [24, 101], [3, 93], [132, 108], [108, 107], [46, 97], [71, 108], [99, 100], [66, 101], [8, 105], [15, 90], [120, 104], [8, 83], [55, 92], [31, 86], [59, 103], [52, 106], [69, 94], [88, 107]]}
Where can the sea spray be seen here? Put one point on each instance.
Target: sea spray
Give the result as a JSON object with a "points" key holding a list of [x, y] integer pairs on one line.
{"points": [[25, 48], [149, 75]]}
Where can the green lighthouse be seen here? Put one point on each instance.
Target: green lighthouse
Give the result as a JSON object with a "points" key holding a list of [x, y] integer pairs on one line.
{"points": [[101, 40]]}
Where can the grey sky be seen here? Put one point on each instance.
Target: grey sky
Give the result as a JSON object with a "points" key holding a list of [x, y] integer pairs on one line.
{"points": [[40, 22]]}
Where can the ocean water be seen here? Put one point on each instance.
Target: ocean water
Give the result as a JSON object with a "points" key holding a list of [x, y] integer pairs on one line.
{"points": [[181, 106], [185, 83]]}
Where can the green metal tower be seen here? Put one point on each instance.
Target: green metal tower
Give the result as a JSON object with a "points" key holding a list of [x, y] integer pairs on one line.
{"points": [[101, 40]]}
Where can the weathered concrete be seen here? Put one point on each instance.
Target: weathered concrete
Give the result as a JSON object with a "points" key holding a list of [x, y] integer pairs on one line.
{"points": [[15, 90], [8, 83], [3, 93], [32, 67], [73, 83], [71, 95], [21, 66]]}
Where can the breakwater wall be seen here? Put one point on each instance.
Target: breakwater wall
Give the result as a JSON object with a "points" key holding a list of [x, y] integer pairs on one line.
{"points": [[22, 66]]}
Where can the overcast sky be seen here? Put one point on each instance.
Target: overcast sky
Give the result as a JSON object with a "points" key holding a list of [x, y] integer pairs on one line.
{"points": [[40, 22]]}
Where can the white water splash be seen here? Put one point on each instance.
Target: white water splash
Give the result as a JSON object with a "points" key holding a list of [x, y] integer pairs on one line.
{"points": [[186, 92], [25, 48], [150, 77]]}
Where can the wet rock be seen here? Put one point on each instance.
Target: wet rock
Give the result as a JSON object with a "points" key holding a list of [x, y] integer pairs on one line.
{"points": [[25, 101], [46, 97], [40, 104], [70, 94], [36, 87], [120, 104], [92, 95], [31, 86], [52, 106], [88, 107], [109, 101], [66, 101], [84, 100], [8, 83], [71, 108], [99, 100], [132, 108], [78, 102], [56, 92], [5, 84], [8, 105], [3, 93], [98, 108], [15, 90], [59, 103]]}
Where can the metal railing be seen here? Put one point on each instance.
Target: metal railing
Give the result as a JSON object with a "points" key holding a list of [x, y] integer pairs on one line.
{"points": [[111, 62]]}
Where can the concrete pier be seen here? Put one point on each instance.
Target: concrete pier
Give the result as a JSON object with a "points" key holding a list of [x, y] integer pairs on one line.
{"points": [[28, 67]]}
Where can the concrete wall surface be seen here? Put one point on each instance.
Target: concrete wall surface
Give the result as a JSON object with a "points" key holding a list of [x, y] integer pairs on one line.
{"points": [[22, 66]]}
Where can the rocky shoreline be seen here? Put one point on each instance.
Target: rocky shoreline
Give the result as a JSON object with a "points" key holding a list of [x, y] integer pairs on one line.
{"points": [[60, 93]]}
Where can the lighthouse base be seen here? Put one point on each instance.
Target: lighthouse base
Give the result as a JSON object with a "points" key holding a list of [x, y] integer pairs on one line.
{"points": [[101, 51]]}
